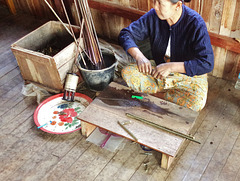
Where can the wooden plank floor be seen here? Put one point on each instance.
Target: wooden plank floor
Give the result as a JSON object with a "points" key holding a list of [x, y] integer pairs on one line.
{"points": [[27, 153]]}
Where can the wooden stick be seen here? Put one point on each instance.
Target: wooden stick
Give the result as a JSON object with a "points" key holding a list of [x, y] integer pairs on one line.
{"points": [[69, 23], [129, 132], [74, 37], [91, 42], [162, 127], [58, 17]]}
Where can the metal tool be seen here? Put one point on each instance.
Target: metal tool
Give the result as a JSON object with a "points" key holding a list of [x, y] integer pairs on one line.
{"points": [[70, 87], [129, 132], [162, 127]]}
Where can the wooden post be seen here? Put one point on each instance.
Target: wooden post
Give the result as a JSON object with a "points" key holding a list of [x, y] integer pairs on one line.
{"points": [[87, 128], [11, 6], [166, 161]]}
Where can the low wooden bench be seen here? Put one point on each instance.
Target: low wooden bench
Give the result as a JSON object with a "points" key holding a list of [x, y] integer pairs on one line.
{"points": [[116, 100]]}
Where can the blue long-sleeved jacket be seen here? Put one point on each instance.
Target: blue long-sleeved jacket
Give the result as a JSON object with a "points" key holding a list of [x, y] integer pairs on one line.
{"points": [[190, 42]]}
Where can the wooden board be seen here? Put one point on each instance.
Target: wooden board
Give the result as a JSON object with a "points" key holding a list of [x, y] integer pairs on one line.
{"points": [[106, 110]]}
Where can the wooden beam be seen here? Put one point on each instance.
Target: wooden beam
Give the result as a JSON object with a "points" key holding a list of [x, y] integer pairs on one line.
{"points": [[129, 13], [134, 14], [225, 42]]}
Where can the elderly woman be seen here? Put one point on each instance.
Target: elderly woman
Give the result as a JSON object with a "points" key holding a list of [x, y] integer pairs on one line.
{"points": [[179, 33]]}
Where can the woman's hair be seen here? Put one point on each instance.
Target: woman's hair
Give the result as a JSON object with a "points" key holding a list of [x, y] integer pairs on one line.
{"points": [[175, 1]]}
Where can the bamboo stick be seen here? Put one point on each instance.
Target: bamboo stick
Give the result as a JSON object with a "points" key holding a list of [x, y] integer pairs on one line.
{"points": [[162, 127], [129, 132], [58, 17]]}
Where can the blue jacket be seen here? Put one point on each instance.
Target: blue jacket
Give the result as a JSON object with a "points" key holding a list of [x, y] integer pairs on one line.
{"points": [[190, 42]]}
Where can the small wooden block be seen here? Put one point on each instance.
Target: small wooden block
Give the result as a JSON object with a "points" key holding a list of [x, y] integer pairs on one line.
{"points": [[166, 161], [87, 128]]}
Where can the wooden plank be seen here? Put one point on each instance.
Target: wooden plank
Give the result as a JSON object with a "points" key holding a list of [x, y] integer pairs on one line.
{"points": [[175, 120], [227, 17], [206, 11], [215, 16], [148, 167], [236, 23], [219, 159], [6, 78], [129, 167], [49, 154], [18, 108], [119, 162], [219, 61], [6, 97], [6, 142], [231, 167], [56, 172], [91, 156], [25, 124], [8, 104], [11, 84], [6, 69], [17, 154], [231, 66], [225, 42], [109, 120], [129, 13], [196, 5], [206, 152]]}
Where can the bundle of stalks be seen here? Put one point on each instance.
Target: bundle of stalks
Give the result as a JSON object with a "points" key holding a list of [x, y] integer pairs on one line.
{"points": [[87, 31]]}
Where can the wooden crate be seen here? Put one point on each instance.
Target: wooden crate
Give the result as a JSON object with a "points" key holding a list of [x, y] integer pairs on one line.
{"points": [[37, 67]]}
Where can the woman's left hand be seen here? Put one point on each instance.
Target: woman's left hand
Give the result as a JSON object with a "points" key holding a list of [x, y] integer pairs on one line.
{"points": [[162, 71]]}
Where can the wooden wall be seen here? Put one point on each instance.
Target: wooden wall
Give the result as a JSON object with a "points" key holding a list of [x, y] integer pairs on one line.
{"points": [[221, 16]]}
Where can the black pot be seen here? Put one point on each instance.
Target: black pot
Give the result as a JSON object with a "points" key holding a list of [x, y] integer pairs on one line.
{"points": [[98, 80]]}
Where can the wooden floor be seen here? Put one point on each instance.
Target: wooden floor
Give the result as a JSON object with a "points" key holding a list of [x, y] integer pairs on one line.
{"points": [[27, 153]]}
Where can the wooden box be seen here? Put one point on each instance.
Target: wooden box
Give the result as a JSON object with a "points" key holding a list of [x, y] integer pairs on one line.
{"points": [[42, 68]]}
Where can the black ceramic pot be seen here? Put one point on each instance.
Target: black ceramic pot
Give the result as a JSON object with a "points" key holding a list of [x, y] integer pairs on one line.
{"points": [[98, 79]]}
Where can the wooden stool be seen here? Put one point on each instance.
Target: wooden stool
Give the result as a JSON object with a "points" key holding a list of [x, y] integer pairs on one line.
{"points": [[116, 100]]}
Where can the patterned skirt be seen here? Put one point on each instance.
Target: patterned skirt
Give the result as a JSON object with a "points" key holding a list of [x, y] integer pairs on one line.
{"points": [[190, 92]]}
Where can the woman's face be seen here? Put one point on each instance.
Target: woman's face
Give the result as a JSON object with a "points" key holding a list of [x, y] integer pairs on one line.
{"points": [[165, 9]]}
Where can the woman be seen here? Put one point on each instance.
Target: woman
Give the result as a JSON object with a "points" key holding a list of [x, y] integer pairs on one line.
{"points": [[176, 31]]}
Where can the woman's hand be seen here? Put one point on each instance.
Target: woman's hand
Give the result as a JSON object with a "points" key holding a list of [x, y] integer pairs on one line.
{"points": [[144, 66], [162, 71]]}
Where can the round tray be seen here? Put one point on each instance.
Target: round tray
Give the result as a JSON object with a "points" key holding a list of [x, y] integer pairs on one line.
{"points": [[57, 116]]}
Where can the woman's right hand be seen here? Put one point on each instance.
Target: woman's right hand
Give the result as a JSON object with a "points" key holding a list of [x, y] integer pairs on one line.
{"points": [[144, 66]]}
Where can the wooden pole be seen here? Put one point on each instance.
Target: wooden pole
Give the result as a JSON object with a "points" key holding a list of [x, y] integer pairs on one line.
{"points": [[11, 6], [162, 127]]}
